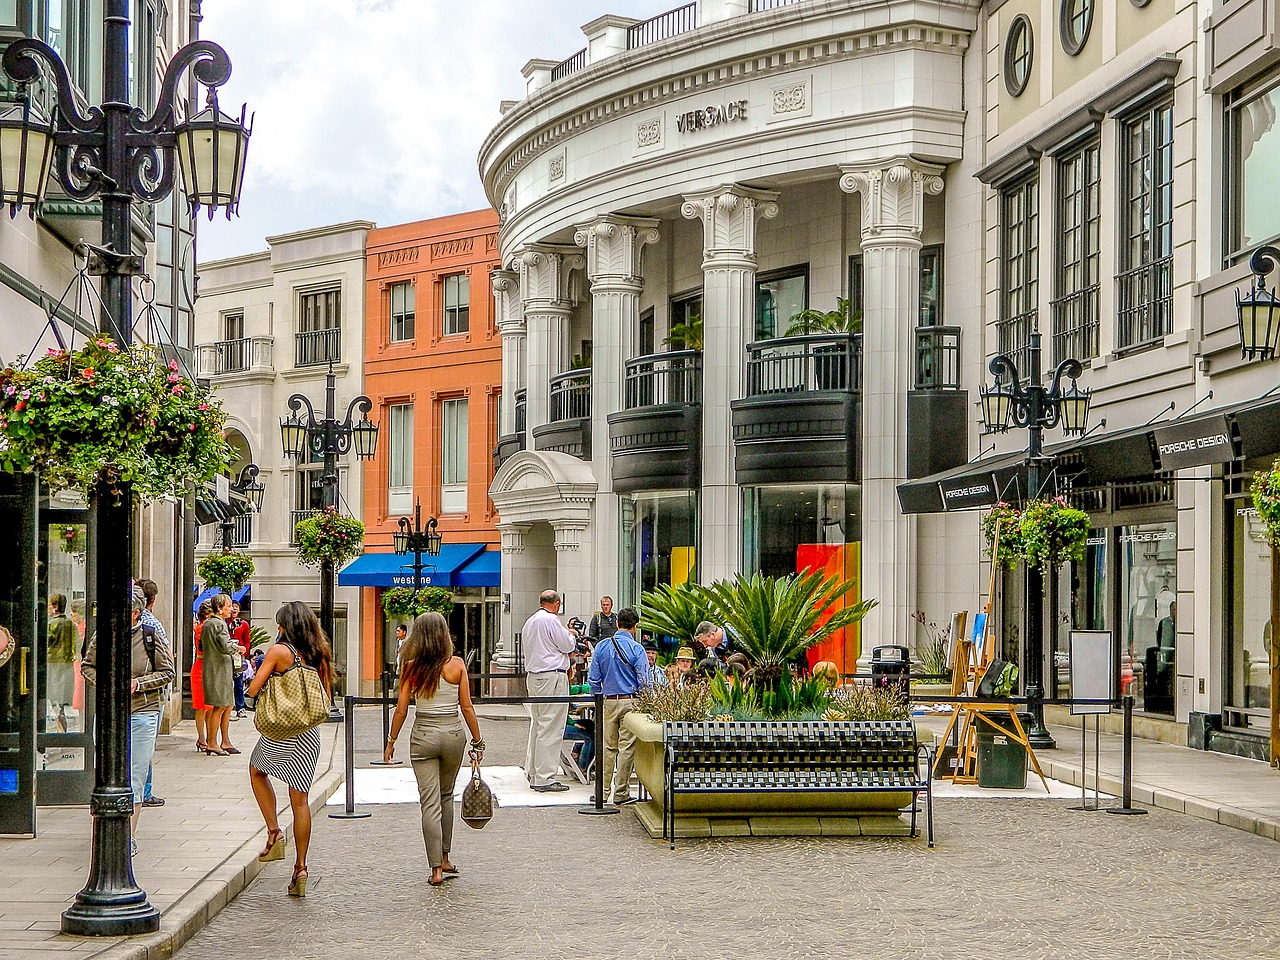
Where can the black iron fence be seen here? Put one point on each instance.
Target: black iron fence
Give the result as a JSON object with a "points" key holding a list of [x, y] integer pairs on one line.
{"points": [[660, 378], [1146, 303], [826, 362], [569, 65], [937, 358], [317, 347], [233, 356], [570, 396], [662, 27]]}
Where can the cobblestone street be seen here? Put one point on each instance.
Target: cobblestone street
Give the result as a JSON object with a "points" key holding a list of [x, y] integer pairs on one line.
{"points": [[1016, 879]]}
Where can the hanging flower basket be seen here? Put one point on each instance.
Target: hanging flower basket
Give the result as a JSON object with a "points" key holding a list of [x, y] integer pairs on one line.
{"points": [[402, 603], [1266, 500], [1053, 532], [228, 571], [328, 535], [72, 538], [1004, 518], [105, 413]]}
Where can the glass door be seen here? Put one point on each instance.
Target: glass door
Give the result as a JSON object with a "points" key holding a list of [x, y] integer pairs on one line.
{"points": [[64, 715], [18, 658]]}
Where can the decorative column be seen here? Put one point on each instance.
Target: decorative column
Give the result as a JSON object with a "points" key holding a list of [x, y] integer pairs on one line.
{"points": [[615, 254], [517, 592], [574, 567], [728, 214], [548, 303], [511, 327], [893, 193]]}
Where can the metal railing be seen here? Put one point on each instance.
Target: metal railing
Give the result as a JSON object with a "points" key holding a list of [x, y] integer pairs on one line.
{"points": [[827, 362], [570, 65], [1075, 325], [570, 396], [758, 5], [937, 358], [233, 356], [1146, 303], [241, 532], [1014, 336], [316, 347], [522, 410], [662, 27], [295, 516], [659, 378]]}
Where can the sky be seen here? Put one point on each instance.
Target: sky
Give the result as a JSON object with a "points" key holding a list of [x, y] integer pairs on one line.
{"points": [[376, 109]]}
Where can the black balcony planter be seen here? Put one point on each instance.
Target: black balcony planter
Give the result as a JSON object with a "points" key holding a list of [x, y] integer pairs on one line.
{"points": [[937, 431], [656, 447], [507, 447], [801, 437], [565, 436]]}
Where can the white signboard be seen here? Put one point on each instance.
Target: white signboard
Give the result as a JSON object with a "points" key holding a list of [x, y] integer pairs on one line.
{"points": [[223, 487], [1091, 670]]}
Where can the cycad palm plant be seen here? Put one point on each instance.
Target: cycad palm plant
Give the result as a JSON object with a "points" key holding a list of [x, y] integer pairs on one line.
{"points": [[776, 619], [843, 319], [674, 610]]}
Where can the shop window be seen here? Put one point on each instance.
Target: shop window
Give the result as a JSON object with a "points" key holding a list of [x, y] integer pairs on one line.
{"points": [[1083, 604], [402, 311], [658, 542], [457, 304], [930, 287], [1246, 698], [1145, 282], [1253, 148], [780, 297], [453, 454], [1148, 608], [686, 323], [1019, 268], [1075, 306], [400, 458]]}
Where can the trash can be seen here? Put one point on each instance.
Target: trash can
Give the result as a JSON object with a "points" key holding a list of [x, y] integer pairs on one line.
{"points": [[1002, 760], [891, 666]]}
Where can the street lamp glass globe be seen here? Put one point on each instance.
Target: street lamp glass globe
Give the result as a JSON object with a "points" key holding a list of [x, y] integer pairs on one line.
{"points": [[365, 436], [997, 407], [400, 539], [1073, 408], [211, 152], [293, 435], [434, 539], [26, 154], [1259, 317]]}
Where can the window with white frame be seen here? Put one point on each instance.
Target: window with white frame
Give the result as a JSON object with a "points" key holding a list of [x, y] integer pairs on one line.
{"points": [[1253, 148], [1019, 267], [453, 456], [318, 337], [402, 311], [400, 458], [1075, 304], [457, 304], [1145, 282]]}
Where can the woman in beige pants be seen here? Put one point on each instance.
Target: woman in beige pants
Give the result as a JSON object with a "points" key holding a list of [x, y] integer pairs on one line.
{"points": [[436, 681]]}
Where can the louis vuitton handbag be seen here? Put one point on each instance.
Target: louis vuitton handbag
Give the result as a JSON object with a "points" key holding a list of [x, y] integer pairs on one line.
{"points": [[477, 798], [291, 702]]}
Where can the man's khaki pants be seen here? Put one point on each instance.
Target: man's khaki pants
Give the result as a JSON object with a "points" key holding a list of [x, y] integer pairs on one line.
{"points": [[619, 750], [546, 727]]}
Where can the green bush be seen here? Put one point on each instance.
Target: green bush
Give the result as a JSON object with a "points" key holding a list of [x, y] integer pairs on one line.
{"points": [[328, 535], [675, 610], [229, 571], [403, 603]]}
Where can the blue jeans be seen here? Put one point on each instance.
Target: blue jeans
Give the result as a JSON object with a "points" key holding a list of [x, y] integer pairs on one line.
{"points": [[238, 686], [588, 750], [143, 729]]}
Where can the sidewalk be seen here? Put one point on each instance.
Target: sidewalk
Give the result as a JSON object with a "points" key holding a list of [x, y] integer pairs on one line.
{"points": [[195, 853]]}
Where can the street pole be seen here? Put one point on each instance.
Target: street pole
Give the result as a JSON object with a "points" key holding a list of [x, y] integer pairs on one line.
{"points": [[329, 493], [1037, 734]]}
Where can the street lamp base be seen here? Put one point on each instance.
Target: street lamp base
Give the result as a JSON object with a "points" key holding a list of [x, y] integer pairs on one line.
{"points": [[111, 919], [601, 812], [353, 815], [1039, 737], [1127, 811]]}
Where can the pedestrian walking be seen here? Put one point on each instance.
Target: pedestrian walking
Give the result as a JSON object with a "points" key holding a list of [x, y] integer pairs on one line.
{"points": [[240, 635], [148, 619], [436, 681], [203, 613], [150, 671], [547, 645], [216, 648], [293, 761], [619, 669]]}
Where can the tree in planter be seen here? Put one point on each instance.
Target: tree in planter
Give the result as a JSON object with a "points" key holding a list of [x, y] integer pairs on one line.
{"points": [[686, 336], [328, 535], [843, 319], [674, 610], [226, 570], [402, 603]]}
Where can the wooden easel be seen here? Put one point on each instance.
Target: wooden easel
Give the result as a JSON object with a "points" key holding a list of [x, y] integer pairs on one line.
{"points": [[993, 713]]}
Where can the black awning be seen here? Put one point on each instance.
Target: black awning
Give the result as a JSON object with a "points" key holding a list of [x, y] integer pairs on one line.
{"points": [[980, 483], [1259, 427], [1121, 455], [209, 510]]}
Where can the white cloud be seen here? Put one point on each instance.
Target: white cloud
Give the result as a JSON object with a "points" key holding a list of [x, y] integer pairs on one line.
{"points": [[376, 109]]}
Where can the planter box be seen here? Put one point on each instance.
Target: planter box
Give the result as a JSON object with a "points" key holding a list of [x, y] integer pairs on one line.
{"points": [[774, 813]]}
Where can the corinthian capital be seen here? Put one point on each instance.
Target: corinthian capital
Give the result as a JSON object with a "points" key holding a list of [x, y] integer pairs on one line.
{"points": [[545, 272], [729, 214], [506, 298], [615, 247], [893, 194]]}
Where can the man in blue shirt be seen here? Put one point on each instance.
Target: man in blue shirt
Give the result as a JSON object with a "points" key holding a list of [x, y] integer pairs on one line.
{"points": [[619, 668]]}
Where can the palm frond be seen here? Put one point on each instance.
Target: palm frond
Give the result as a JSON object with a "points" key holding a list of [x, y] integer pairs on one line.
{"points": [[674, 610]]}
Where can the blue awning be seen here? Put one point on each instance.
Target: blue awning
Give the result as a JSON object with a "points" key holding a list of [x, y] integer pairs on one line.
{"points": [[210, 592], [393, 570], [483, 570]]}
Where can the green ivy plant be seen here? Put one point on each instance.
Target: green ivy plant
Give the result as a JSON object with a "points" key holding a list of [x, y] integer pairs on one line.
{"points": [[404, 603], [329, 535], [1053, 532], [227, 570], [103, 413], [1006, 519], [1266, 500]]}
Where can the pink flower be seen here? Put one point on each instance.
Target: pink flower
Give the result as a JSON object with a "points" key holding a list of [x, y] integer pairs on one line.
{"points": [[173, 364], [87, 373]]}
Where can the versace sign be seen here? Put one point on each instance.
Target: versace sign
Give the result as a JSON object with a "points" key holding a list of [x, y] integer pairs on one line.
{"points": [[712, 116]]}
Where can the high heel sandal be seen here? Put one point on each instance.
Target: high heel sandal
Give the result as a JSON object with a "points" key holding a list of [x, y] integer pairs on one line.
{"points": [[201, 746], [275, 847], [215, 752], [298, 887]]}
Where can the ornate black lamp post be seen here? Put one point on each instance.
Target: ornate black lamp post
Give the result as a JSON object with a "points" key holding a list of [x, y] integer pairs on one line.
{"points": [[1008, 402], [252, 489], [414, 539], [329, 438], [120, 154]]}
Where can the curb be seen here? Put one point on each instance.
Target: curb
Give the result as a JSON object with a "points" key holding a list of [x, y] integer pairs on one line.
{"points": [[199, 905]]}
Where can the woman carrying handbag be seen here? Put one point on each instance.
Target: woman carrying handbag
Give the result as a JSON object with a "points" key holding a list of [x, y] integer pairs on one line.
{"points": [[436, 681], [297, 673]]}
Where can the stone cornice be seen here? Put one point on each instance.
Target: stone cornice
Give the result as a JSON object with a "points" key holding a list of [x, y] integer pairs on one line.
{"points": [[854, 42]]}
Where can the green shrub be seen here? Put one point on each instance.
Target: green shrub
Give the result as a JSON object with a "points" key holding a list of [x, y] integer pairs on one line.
{"points": [[229, 571], [403, 603]]}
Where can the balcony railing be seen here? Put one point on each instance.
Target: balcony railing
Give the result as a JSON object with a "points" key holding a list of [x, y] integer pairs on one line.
{"points": [[241, 532], [522, 411], [295, 516], [758, 5], [234, 355], [316, 347], [1146, 303], [570, 397], [1075, 325], [1014, 335], [662, 27], [243, 355], [937, 358], [829, 362], [571, 65], [660, 378]]}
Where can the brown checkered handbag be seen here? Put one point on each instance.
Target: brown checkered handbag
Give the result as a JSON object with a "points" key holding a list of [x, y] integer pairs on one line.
{"points": [[292, 702], [477, 799]]}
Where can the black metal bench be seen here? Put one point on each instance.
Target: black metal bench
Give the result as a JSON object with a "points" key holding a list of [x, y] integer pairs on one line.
{"points": [[740, 756]]}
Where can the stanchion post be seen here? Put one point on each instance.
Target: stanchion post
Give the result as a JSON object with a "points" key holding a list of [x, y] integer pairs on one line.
{"points": [[1126, 772], [597, 738], [386, 719], [349, 763]]}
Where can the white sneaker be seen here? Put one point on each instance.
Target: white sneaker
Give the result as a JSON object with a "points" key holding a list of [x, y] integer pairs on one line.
{"points": [[133, 847]]}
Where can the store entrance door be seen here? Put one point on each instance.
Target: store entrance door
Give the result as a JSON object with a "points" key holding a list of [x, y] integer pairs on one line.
{"points": [[18, 634]]}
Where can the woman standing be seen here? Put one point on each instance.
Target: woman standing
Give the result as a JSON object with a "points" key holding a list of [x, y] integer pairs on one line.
{"points": [[197, 680], [436, 681], [292, 761], [217, 647]]}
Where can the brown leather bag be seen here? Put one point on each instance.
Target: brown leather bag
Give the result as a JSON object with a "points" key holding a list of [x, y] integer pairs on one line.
{"points": [[477, 799]]}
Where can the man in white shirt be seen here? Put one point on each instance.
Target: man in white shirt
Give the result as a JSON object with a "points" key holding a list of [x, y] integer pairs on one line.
{"points": [[547, 644]]}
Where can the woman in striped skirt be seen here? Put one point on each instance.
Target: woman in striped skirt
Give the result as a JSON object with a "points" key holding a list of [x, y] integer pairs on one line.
{"points": [[291, 761]]}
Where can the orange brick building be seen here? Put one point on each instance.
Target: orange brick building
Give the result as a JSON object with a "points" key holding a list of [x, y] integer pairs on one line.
{"points": [[433, 369]]}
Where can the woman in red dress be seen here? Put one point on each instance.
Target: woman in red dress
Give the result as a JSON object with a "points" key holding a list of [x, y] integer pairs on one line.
{"points": [[197, 679]]}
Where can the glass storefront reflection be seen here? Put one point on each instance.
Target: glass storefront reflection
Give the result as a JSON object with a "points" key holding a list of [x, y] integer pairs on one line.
{"points": [[1148, 606], [1249, 613], [63, 694], [658, 541]]}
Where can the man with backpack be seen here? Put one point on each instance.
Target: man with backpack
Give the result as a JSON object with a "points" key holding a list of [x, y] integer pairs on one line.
{"points": [[148, 619], [151, 670], [619, 668]]}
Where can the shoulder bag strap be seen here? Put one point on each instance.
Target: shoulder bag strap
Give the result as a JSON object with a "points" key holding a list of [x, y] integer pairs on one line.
{"points": [[618, 652]]}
